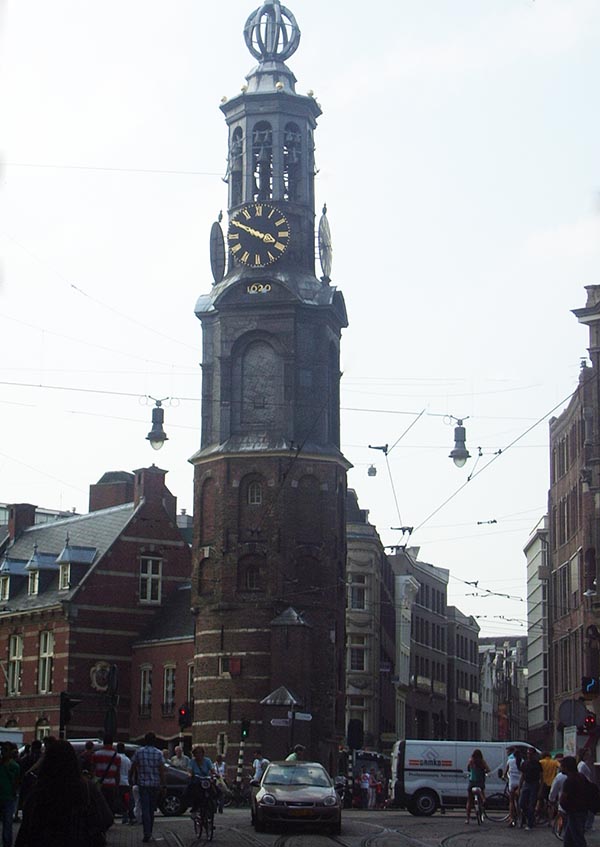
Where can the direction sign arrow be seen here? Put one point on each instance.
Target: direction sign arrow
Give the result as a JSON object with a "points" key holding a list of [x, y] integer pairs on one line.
{"points": [[300, 716], [280, 722]]}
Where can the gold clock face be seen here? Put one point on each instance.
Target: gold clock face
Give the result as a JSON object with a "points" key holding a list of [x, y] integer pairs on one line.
{"points": [[258, 235]]}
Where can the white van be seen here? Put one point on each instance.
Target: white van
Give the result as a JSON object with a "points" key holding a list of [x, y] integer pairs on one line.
{"points": [[427, 775]]}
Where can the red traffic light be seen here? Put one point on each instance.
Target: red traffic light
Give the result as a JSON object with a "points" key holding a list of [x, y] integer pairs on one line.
{"points": [[589, 722], [185, 716]]}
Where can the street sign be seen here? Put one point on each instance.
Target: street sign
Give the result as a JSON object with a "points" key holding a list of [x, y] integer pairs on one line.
{"points": [[280, 722], [300, 716]]}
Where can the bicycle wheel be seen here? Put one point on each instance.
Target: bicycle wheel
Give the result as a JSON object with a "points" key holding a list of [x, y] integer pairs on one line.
{"points": [[198, 822], [497, 807], [209, 823], [478, 811]]}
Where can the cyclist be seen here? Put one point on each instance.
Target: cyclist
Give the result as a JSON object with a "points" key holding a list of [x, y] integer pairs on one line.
{"points": [[477, 768], [201, 767]]}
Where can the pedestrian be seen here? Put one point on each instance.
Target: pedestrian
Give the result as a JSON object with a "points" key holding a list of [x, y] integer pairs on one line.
{"points": [[372, 789], [125, 795], [364, 788], [477, 768], [512, 773], [10, 776], [531, 776], [148, 772], [28, 777], [64, 809], [259, 765], [85, 760], [574, 801], [549, 768], [106, 764], [555, 790], [296, 754], [583, 767], [220, 771], [180, 760]]}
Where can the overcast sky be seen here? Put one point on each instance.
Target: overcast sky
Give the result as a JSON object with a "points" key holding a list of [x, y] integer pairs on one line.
{"points": [[458, 154]]}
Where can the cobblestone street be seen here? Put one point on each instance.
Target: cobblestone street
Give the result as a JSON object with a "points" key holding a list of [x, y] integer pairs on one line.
{"points": [[359, 829]]}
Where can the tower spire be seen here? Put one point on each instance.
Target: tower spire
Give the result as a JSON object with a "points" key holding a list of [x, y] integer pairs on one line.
{"points": [[271, 32]]}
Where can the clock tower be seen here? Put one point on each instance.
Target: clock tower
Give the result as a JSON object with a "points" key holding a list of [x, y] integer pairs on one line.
{"points": [[269, 478]]}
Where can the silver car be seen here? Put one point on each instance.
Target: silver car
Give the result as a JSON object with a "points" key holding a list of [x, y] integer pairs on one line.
{"points": [[300, 793]]}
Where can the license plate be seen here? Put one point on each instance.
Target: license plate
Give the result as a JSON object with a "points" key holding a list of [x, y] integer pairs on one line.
{"points": [[297, 813]]}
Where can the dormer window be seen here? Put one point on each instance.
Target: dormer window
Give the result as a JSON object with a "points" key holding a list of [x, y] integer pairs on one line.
{"points": [[4, 588], [64, 577], [34, 582]]}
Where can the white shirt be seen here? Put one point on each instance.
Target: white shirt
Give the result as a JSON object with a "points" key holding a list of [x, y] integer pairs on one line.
{"points": [[125, 768], [556, 787], [583, 768], [514, 773], [259, 766]]}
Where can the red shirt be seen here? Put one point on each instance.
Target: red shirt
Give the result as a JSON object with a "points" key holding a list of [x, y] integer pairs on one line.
{"points": [[100, 765]]}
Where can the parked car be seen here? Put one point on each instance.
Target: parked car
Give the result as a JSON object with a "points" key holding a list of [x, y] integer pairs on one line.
{"points": [[173, 801], [296, 792]]}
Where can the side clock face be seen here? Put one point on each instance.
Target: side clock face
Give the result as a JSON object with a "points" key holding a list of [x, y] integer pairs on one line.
{"points": [[258, 235]]}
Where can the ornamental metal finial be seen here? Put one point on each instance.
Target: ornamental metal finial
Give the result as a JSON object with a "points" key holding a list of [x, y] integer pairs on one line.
{"points": [[271, 32]]}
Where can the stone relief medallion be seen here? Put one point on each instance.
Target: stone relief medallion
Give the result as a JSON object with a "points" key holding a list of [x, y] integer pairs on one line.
{"points": [[99, 674]]}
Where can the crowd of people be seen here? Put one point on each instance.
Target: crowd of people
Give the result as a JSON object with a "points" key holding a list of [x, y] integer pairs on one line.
{"points": [[541, 787]]}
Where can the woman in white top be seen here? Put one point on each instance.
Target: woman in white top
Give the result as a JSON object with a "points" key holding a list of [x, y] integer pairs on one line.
{"points": [[513, 774]]}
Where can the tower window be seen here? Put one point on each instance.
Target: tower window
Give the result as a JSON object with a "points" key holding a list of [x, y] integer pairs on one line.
{"points": [[291, 161], [255, 494], [262, 159]]}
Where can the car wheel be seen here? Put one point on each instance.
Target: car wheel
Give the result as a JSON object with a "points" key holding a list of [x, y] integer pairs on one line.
{"points": [[425, 802], [171, 805]]}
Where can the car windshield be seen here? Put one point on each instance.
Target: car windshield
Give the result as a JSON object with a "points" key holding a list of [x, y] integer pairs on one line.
{"points": [[297, 775]]}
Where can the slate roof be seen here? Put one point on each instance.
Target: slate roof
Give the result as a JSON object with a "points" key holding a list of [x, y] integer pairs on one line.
{"points": [[174, 620], [90, 536]]}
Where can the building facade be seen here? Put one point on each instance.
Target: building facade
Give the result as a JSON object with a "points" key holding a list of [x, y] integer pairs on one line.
{"points": [[370, 631], [463, 676], [538, 703], [77, 592], [269, 551]]}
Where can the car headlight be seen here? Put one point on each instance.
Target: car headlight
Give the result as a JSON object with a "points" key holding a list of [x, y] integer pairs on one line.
{"points": [[330, 801], [268, 800]]}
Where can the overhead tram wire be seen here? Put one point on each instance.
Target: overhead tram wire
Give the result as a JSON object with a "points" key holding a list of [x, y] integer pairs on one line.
{"points": [[497, 455]]}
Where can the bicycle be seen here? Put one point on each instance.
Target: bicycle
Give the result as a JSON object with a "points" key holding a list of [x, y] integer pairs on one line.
{"points": [[497, 806], [478, 804], [203, 815], [238, 795]]}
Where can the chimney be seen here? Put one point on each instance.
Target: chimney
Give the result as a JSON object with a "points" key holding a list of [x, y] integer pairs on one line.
{"points": [[113, 489], [20, 516], [150, 484]]}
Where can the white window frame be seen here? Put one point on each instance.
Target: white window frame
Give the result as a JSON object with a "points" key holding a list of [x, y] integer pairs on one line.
{"points": [[358, 650], [169, 686], [146, 689], [15, 665], [150, 580], [358, 593], [4, 588], [33, 583], [64, 576], [45, 662], [190, 683]]}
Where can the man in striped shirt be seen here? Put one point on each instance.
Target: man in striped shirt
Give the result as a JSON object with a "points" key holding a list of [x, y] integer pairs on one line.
{"points": [[106, 767]]}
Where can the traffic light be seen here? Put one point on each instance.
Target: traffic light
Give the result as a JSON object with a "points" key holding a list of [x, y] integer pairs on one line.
{"points": [[185, 716], [589, 723], [245, 727], [355, 734], [67, 704]]}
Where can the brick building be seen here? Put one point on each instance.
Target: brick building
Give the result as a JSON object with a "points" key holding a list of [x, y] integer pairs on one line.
{"points": [[76, 594], [269, 479], [463, 676]]}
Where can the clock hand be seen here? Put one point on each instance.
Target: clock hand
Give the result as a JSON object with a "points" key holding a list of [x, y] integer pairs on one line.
{"points": [[264, 236]]}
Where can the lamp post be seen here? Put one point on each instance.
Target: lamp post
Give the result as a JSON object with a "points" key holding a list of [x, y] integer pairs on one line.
{"points": [[459, 454], [157, 436]]}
